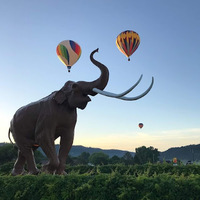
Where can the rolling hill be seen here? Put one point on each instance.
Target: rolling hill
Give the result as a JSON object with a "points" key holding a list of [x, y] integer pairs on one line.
{"points": [[190, 152], [76, 150]]}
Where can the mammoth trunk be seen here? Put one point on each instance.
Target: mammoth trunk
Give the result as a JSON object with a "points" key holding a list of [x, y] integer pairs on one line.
{"points": [[99, 83]]}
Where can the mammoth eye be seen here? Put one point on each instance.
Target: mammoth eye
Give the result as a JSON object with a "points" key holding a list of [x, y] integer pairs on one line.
{"points": [[74, 86]]}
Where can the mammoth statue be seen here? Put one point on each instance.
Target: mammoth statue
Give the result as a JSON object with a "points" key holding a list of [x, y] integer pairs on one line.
{"points": [[39, 123]]}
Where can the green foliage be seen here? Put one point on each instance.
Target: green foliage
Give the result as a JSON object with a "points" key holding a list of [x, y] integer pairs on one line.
{"points": [[115, 160], [70, 160], [136, 170], [104, 181], [144, 155], [99, 158], [127, 159], [7, 153], [133, 170], [6, 168], [83, 158], [112, 186]]}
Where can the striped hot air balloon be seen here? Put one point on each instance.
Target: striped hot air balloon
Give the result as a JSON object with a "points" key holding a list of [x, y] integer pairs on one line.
{"points": [[127, 42], [68, 52]]}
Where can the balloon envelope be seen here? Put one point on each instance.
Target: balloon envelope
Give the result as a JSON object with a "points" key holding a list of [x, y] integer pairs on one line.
{"points": [[68, 52], [140, 125], [127, 42]]}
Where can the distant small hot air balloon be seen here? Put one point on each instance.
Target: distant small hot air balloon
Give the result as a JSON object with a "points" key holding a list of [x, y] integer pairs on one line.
{"points": [[68, 52], [127, 42], [140, 125], [174, 160]]}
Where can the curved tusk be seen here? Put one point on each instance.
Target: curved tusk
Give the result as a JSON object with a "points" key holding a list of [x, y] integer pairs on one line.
{"points": [[110, 94], [140, 96]]}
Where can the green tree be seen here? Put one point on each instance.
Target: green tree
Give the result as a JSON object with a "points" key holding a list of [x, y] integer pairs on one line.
{"points": [[144, 155], [7, 153], [99, 158], [115, 160], [70, 160], [127, 159], [83, 158]]}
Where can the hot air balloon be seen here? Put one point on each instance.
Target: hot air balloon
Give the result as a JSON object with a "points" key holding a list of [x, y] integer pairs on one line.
{"points": [[174, 160], [127, 42], [140, 125], [68, 52]]}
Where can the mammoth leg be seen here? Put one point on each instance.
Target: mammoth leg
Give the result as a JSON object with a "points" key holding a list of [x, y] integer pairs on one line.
{"points": [[23, 156], [29, 156], [19, 165], [65, 146], [49, 149]]}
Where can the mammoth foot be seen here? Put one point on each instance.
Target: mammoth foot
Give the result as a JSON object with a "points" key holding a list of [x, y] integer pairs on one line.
{"points": [[23, 172], [61, 172], [48, 169], [16, 172], [35, 172], [53, 169]]}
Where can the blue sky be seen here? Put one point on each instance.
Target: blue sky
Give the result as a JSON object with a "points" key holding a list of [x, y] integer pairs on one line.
{"points": [[169, 51]]}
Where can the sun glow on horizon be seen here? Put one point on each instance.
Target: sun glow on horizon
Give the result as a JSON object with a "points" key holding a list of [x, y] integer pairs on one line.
{"points": [[162, 140]]}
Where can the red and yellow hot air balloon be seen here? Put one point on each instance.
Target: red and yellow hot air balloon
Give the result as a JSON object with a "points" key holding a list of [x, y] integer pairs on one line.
{"points": [[174, 160], [140, 125], [68, 52], [127, 42]]}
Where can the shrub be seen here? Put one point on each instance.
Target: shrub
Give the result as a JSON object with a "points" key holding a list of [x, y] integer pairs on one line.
{"points": [[100, 187]]}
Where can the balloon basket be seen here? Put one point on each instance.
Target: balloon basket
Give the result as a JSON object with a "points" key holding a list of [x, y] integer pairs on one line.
{"points": [[68, 67], [128, 59]]}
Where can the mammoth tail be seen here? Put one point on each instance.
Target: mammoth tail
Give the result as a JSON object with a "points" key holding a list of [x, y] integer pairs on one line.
{"points": [[9, 137]]}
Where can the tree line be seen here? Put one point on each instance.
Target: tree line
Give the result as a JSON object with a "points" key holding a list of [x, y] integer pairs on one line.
{"points": [[8, 153]]}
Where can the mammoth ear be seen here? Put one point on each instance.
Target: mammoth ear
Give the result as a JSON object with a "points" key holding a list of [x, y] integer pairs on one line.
{"points": [[60, 97]]}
